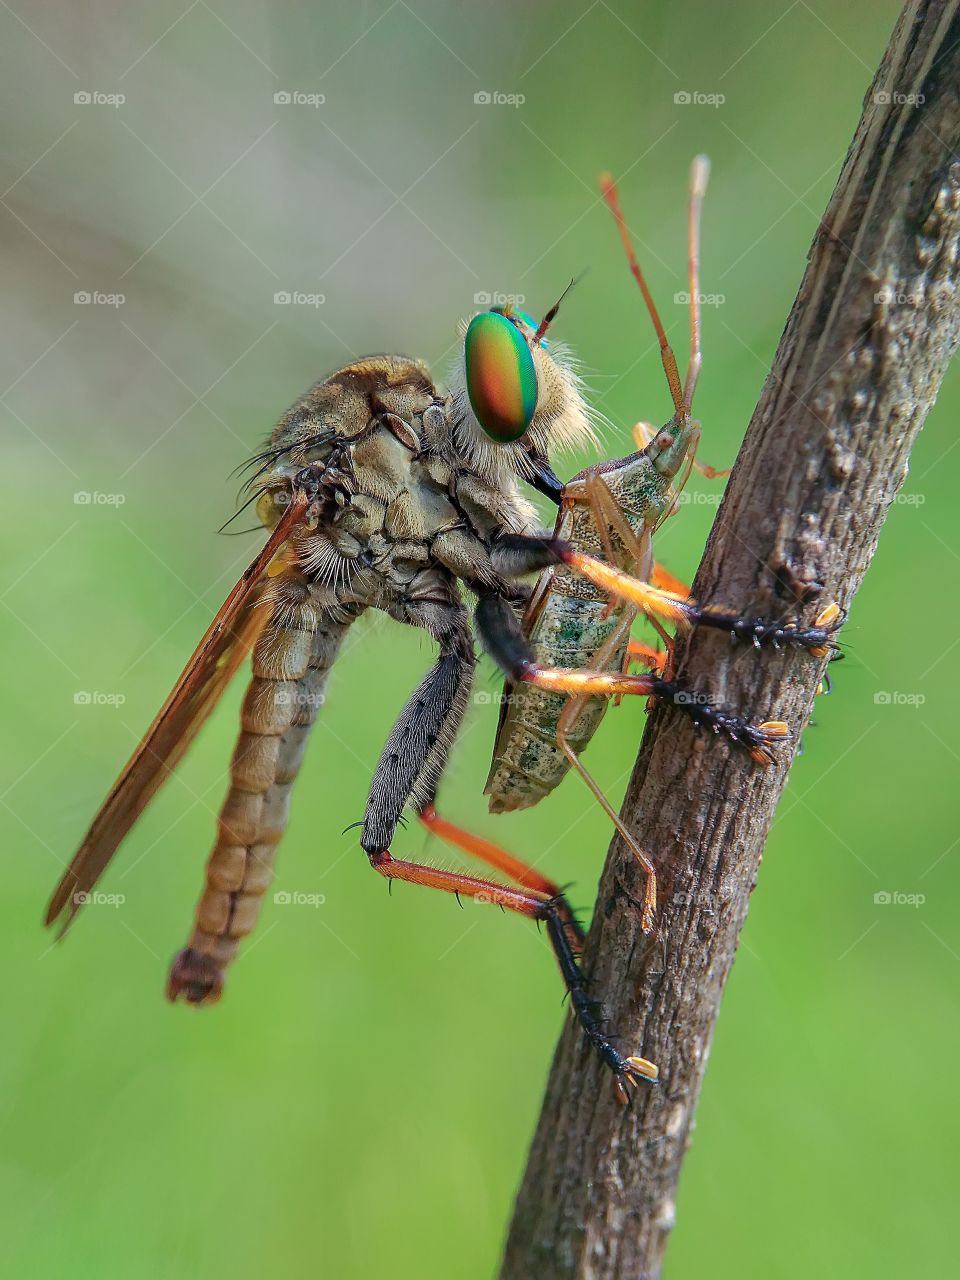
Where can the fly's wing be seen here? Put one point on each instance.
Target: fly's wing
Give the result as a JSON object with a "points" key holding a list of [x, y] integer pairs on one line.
{"points": [[226, 643]]}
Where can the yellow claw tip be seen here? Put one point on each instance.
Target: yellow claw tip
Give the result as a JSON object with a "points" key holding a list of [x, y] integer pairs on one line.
{"points": [[642, 1067], [775, 729], [827, 615]]}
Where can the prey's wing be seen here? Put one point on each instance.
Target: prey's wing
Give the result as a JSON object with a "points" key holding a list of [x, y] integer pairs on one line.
{"points": [[226, 643]]}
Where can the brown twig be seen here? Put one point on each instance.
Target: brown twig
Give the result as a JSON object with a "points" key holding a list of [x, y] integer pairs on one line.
{"points": [[859, 364]]}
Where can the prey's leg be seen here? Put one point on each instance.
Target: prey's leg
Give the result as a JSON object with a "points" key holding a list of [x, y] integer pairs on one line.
{"points": [[568, 718]]}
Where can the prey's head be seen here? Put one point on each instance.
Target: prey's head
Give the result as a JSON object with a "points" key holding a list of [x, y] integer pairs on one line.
{"points": [[674, 446]]}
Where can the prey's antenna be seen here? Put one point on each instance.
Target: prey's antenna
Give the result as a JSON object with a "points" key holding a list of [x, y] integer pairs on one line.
{"points": [[608, 189], [551, 315], [699, 173]]}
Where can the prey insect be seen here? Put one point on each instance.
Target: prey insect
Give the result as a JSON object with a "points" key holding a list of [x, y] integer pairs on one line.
{"points": [[575, 647], [382, 492]]}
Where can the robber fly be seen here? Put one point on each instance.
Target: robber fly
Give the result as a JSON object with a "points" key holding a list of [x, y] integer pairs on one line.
{"points": [[381, 492]]}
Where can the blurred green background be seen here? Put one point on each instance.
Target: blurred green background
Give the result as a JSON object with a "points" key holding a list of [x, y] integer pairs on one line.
{"points": [[361, 1101]]}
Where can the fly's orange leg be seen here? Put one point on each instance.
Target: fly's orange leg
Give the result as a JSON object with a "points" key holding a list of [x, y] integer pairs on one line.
{"points": [[520, 872], [627, 1070], [509, 647], [683, 611]]}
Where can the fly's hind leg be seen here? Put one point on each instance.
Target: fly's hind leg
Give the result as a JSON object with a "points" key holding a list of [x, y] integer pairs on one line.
{"points": [[409, 769], [627, 1069], [519, 872]]}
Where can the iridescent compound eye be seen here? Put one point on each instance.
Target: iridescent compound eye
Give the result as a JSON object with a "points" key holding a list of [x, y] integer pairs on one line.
{"points": [[501, 378]]}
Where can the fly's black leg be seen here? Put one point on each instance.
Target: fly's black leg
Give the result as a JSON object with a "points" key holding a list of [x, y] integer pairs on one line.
{"points": [[518, 554], [818, 639], [416, 751], [504, 640]]}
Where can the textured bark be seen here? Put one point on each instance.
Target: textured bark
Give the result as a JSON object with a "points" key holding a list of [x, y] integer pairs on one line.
{"points": [[859, 364]]}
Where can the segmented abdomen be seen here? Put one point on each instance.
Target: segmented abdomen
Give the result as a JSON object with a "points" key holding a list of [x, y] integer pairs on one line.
{"points": [[291, 662]]}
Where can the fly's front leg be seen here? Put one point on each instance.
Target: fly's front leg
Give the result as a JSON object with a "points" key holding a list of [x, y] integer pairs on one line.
{"points": [[686, 612]]}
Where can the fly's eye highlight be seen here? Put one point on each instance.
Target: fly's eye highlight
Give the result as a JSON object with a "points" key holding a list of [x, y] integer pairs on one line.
{"points": [[501, 377]]}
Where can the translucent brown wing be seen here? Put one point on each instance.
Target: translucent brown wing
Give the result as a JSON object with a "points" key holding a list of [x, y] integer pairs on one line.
{"points": [[226, 643]]}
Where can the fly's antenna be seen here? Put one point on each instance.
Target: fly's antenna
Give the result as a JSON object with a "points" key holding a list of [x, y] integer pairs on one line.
{"points": [[551, 315], [608, 189], [699, 173]]}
